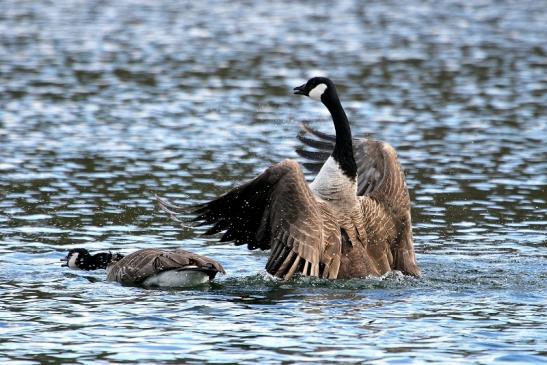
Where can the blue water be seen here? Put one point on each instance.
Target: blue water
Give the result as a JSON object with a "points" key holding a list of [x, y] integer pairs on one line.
{"points": [[104, 104]]}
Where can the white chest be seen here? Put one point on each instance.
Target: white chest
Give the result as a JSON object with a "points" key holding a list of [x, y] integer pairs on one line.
{"points": [[177, 278], [331, 184]]}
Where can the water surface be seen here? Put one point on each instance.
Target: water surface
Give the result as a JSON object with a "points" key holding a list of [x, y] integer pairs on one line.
{"points": [[104, 104]]}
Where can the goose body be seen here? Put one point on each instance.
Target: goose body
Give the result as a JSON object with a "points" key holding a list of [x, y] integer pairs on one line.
{"points": [[163, 268], [149, 267], [353, 220]]}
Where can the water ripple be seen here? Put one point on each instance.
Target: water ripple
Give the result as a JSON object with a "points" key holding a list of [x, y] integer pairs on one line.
{"points": [[104, 104]]}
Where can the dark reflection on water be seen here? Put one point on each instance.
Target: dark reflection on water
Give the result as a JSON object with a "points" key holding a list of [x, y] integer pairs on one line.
{"points": [[103, 104]]}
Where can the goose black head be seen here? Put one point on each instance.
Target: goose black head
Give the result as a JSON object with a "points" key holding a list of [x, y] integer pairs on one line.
{"points": [[80, 258], [76, 258], [316, 88]]}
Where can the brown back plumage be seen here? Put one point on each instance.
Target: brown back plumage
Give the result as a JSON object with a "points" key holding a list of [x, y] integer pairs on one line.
{"points": [[136, 267]]}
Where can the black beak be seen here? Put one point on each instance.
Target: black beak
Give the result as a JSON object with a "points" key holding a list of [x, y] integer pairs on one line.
{"points": [[300, 90], [64, 261]]}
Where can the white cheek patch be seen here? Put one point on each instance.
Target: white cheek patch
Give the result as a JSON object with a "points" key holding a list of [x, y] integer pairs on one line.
{"points": [[72, 261], [317, 91]]}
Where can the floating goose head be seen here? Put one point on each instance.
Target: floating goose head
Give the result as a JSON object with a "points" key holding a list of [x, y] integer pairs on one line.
{"points": [[316, 88], [75, 258], [80, 258]]}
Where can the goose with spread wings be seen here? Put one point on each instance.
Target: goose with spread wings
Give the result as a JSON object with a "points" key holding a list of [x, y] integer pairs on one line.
{"points": [[352, 221]]}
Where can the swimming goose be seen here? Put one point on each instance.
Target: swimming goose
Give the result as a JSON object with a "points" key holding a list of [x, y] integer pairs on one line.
{"points": [[149, 267], [353, 220]]}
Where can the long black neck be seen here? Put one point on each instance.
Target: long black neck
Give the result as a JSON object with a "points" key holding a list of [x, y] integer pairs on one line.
{"points": [[343, 149]]}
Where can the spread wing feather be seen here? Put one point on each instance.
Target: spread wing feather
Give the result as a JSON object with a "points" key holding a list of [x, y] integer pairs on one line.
{"points": [[276, 211]]}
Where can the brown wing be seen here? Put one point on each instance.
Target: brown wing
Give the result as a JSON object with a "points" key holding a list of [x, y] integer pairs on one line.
{"points": [[322, 145], [386, 184], [136, 267], [276, 211]]}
